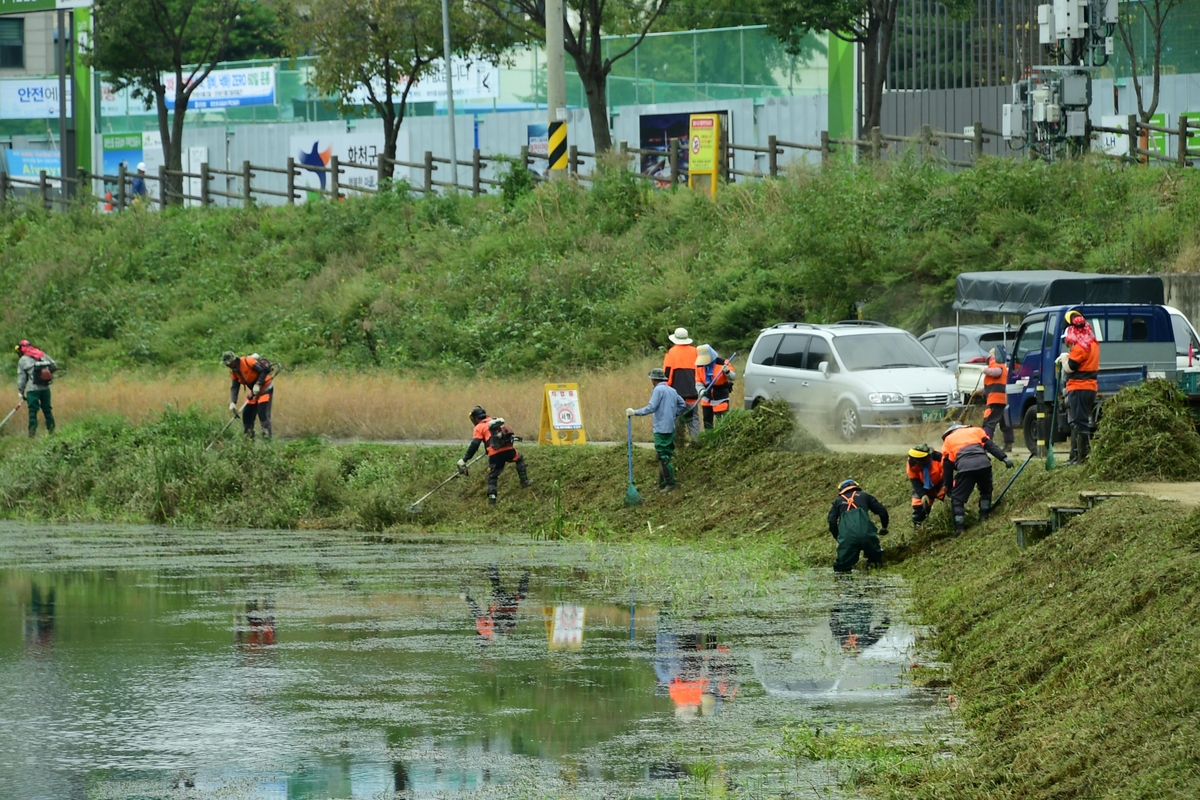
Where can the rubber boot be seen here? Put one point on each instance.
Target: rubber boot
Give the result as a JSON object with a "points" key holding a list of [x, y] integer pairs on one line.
{"points": [[985, 510], [492, 485], [1085, 445], [960, 526], [523, 473], [491, 498], [1073, 458]]}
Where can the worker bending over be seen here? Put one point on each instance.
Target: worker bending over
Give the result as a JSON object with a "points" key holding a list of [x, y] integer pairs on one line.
{"points": [[966, 465], [499, 440], [927, 476], [254, 373], [851, 526]]}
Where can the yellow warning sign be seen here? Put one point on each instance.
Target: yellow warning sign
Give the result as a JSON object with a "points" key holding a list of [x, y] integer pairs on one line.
{"points": [[704, 144], [562, 417], [557, 145]]}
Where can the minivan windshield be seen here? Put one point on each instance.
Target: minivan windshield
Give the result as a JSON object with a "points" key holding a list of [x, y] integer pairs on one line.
{"points": [[883, 351]]}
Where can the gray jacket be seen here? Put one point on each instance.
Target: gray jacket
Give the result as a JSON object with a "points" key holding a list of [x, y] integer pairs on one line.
{"points": [[26, 377], [666, 405]]}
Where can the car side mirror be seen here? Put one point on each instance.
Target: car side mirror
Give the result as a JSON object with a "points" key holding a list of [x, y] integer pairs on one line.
{"points": [[824, 368]]}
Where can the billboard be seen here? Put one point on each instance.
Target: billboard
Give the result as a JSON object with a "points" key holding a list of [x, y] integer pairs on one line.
{"points": [[28, 164], [473, 80], [657, 131], [361, 148], [227, 88], [31, 98]]}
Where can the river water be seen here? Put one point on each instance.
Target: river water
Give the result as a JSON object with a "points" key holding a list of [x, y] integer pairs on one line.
{"points": [[152, 663]]}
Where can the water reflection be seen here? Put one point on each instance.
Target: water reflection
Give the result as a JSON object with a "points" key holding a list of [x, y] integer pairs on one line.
{"points": [[39, 617], [500, 616], [694, 668], [859, 618], [256, 628]]}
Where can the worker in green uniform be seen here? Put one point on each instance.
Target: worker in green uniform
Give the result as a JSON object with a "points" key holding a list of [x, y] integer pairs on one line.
{"points": [[853, 529]]}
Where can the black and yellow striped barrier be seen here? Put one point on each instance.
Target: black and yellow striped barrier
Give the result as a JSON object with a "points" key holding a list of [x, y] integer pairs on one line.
{"points": [[558, 145]]}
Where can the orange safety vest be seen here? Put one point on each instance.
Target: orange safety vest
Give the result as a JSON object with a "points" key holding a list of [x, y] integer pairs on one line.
{"points": [[993, 388], [1088, 359], [680, 365], [687, 693], [243, 372], [485, 434], [718, 401], [963, 437], [937, 472]]}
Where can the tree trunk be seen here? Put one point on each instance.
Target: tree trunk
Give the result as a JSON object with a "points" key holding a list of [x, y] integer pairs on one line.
{"points": [[391, 132], [597, 100], [173, 155]]}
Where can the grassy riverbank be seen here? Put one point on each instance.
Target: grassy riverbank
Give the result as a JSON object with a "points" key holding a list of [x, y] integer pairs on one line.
{"points": [[1073, 661], [567, 277]]}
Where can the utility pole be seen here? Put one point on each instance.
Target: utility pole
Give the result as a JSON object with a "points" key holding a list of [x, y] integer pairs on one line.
{"points": [[556, 75], [450, 91]]}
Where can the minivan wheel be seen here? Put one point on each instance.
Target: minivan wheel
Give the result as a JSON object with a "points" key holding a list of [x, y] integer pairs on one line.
{"points": [[847, 422], [1029, 428]]}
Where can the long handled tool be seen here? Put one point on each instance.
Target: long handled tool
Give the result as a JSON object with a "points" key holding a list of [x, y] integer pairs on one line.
{"points": [[1012, 481], [416, 507], [1053, 423], [632, 497], [236, 415], [4, 421]]}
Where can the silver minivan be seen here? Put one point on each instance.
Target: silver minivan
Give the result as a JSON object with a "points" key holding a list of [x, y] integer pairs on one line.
{"points": [[852, 375]]}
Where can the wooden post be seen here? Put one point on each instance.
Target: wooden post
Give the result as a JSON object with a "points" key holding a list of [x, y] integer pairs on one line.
{"points": [[724, 149], [876, 139], [44, 188], [1131, 123], [380, 171], [333, 179], [1183, 137], [977, 141], [82, 185], [122, 178], [429, 168], [204, 179], [476, 173], [572, 159], [291, 181], [773, 156], [162, 187], [926, 140], [247, 190], [824, 147], [673, 161], [525, 156]]}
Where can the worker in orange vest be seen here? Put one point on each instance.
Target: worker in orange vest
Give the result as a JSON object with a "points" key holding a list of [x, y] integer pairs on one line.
{"points": [[965, 451], [1081, 368], [498, 439], [712, 369], [254, 373], [995, 384], [680, 366], [927, 476]]}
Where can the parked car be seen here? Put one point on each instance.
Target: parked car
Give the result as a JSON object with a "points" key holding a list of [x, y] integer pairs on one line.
{"points": [[974, 342], [1187, 343], [854, 376]]}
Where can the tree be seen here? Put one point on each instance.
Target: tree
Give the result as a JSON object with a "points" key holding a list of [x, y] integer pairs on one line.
{"points": [[583, 41], [161, 48], [868, 23], [1153, 14], [384, 47]]}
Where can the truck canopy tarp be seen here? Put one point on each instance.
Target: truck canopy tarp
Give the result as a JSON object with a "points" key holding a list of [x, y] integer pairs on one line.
{"points": [[1021, 291]]}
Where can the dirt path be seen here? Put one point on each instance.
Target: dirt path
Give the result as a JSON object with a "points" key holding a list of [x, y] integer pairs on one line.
{"points": [[1186, 493]]}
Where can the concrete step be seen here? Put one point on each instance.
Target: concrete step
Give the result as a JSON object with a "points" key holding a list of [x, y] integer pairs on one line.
{"points": [[1030, 530]]}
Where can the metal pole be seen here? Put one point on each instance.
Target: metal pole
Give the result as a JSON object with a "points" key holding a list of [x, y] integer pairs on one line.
{"points": [[60, 53], [556, 70], [450, 87]]}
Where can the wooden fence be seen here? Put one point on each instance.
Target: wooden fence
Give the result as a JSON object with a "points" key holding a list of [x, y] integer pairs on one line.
{"points": [[116, 190]]}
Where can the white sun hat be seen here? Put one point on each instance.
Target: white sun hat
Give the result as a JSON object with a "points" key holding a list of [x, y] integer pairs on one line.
{"points": [[680, 336]]}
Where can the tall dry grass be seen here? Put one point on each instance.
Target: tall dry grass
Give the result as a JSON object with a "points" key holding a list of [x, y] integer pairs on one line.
{"points": [[371, 407]]}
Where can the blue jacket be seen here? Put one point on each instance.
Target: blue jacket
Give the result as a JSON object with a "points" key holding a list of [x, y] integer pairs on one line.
{"points": [[666, 405]]}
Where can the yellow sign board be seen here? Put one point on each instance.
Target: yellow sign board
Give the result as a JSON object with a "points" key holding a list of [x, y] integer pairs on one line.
{"points": [[562, 416], [704, 157]]}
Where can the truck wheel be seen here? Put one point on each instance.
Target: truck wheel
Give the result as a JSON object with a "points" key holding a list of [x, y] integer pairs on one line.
{"points": [[847, 423], [1029, 428]]}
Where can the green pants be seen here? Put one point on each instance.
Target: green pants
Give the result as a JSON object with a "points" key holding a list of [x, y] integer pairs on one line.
{"points": [[664, 445], [39, 399], [849, 546]]}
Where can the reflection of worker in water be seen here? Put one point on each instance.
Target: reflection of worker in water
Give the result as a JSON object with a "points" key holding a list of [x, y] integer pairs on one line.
{"points": [[257, 628], [39, 622], [501, 614], [853, 622], [695, 669]]}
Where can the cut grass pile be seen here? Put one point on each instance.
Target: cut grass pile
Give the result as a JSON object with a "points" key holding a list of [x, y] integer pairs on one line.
{"points": [[1147, 434]]}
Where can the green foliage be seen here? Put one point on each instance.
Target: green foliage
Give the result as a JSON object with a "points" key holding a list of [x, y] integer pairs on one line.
{"points": [[1146, 433], [564, 277], [516, 182]]}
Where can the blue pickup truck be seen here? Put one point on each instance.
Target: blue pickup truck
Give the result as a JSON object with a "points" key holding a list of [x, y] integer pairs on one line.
{"points": [[1137, 342]]}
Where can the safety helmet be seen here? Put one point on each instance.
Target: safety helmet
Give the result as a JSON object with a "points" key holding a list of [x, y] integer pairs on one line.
{"points": [[657, 374], [21, 344], [920, 451], [1071, 318], [228, 357], [849, 483], [954, 426], [478, 414]]}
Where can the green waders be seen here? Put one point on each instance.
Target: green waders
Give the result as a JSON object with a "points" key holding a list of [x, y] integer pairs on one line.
{"points": [[856, 534], [664, 445], [39, 399]]}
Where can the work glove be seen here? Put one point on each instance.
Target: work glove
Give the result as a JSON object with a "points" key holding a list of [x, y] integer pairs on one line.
{"points": [[1008, 463], [629, 412], [883, 532], [926, 502], [256, 390], [1064, 362], [22, 396], [699, 387], [462, 467], [233, 407]]}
